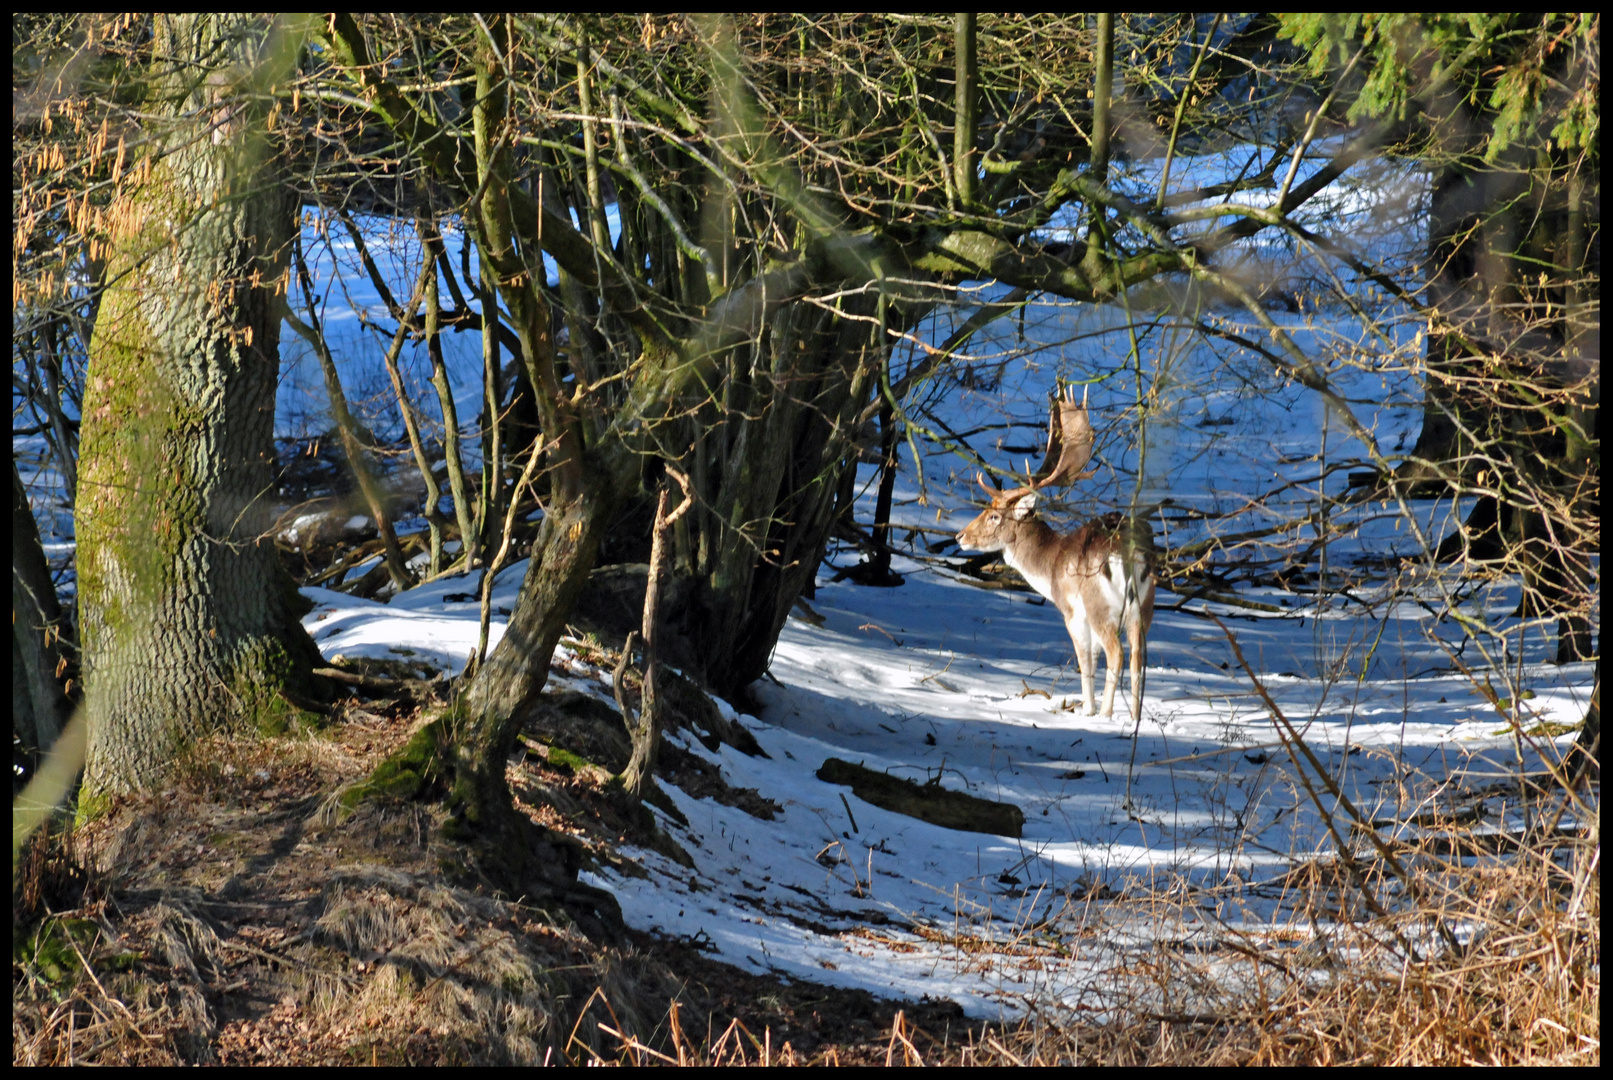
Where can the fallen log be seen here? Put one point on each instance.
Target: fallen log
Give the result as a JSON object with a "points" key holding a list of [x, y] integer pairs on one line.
{"points": [[928, 802]]}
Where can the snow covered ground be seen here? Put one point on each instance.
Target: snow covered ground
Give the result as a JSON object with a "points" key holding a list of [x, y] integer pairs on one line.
{"points": [[943, 680], [939, 678]]}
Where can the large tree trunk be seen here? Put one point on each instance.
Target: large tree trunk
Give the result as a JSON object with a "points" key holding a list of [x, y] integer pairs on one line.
{"points": [[187, 616], [479, 733], [1491, 229], [1453, 414], [767, 473]]}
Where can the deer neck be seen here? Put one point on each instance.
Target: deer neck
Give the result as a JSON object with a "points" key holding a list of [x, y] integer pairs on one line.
{"points": [[1030, 551]]}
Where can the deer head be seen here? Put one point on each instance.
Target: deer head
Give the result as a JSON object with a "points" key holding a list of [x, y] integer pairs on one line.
{"points": [[1069, 448]]}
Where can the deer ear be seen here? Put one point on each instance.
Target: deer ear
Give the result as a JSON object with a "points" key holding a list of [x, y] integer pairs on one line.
{"points": [[1024, 506]]}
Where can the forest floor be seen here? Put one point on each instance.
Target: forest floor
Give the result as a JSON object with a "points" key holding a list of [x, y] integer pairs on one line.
{"points": [[236, 918], [1322, 844], [240, 917]]}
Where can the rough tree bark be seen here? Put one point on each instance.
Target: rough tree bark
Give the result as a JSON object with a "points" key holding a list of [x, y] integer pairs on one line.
{"points": [[1490, 230], [766, 463], [186, 613]]}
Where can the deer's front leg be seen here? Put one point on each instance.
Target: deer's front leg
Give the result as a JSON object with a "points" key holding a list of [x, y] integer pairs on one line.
{"points": [[1085, 658]]}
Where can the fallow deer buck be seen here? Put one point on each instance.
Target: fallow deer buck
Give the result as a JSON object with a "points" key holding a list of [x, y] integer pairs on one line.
{"points": [[1100, 577]]}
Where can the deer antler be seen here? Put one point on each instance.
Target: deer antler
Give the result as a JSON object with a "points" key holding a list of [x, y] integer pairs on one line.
{"points": [[1069, 448], [1069, 441]]}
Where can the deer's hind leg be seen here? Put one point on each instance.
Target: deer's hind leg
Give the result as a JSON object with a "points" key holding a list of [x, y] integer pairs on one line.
{"points": [[1135, 636], [1109, 636], [1105, 602], [1138, 618]]}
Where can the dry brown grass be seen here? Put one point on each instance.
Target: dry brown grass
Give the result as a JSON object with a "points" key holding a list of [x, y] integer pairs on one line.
{"points": [[1488, 954], [233, 919]]}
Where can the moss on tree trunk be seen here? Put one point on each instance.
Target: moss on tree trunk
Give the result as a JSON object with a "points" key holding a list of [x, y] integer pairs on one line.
{"points": [[187, 616], [461, 756]]}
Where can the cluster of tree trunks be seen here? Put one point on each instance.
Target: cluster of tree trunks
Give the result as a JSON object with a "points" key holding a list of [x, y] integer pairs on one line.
{"points": [[739, 328]]}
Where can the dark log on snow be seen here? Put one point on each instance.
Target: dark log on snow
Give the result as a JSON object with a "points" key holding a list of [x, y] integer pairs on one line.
{"points": [[928, 802]]}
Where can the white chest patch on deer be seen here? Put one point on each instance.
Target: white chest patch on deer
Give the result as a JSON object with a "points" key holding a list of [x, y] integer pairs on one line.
{"points": [[1036, 578]]}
